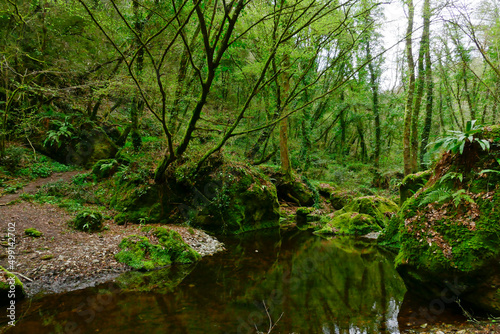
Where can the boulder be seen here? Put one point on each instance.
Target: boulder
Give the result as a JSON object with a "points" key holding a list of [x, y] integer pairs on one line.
{"points": [[350, 223], [139, 253], [380, 208], [235, 199], [448, 232]]}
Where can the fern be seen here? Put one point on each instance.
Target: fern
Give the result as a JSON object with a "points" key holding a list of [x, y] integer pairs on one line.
{"points": [[439, 195], [460, 195], [452, 176], [455, 142]]}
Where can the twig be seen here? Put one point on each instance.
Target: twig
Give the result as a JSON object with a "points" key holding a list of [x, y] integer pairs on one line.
{"points": [[19, 274]]}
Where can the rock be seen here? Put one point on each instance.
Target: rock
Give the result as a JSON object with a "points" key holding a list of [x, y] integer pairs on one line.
{"points": [[411, 184], [10, 286], [139, 253], [240, 199], [448, 233], [379, 208], [350, 223]]}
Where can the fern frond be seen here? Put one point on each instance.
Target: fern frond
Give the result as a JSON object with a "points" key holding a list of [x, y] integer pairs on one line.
{"points": [[439, 195]]}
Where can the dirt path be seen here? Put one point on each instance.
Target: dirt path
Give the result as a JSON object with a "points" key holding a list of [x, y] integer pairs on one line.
{"points": [[32, 187]]}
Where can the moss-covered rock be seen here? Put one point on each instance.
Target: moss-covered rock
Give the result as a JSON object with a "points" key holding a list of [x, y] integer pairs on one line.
{"points": [[449, 232], [350, 223], [139, 253], [295, 191], [87, 221], [32, 232], [136, 198], [380, 208], [240, 199], [94, 145], [10, 287], [411, 184]]}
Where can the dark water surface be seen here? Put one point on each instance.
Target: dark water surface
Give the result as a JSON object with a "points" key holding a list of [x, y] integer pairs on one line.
{"points": [[310, 284]]}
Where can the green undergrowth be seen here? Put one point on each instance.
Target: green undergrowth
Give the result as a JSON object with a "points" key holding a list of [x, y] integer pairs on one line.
{"points": [[140, 253], [20, 162]]}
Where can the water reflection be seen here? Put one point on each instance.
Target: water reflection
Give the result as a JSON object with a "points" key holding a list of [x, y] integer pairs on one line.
{"points": [[311, 285]]}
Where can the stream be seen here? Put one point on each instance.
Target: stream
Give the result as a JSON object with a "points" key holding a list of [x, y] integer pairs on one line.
{"points": [[292, 280]]}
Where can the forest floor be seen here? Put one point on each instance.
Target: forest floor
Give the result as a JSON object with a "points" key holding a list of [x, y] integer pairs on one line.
{"points": [[63, 259]]}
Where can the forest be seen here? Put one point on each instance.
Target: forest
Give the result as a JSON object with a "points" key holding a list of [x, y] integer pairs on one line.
{"points": [[142, 136]]}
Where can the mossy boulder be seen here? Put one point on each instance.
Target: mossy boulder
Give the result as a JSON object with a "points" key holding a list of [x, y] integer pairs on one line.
{"points": [[6, 287], [93, 145], [411, 184], [32, 232], [448, 232], [89, 144], [236, 199], [139, 253], [137, 198], [350, 223], [87, 221], [378, 207]]}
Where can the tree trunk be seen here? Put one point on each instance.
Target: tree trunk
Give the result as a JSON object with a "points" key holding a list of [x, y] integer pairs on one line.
{"points": [[286, 167], [410, 92], [429, 85], [375, 106]]}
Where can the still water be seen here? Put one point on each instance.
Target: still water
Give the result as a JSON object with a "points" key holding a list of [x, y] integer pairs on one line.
{"points": [[298, 282]]}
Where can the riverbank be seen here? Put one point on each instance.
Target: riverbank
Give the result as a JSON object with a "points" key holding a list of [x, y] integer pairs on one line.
{"points": [[63, 259]]}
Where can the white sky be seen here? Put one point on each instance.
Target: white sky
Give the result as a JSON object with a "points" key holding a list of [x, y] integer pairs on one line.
{"points": [[394, 30]]}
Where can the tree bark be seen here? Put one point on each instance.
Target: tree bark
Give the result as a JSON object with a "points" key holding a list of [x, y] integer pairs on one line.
{"points": [[410, 92]]}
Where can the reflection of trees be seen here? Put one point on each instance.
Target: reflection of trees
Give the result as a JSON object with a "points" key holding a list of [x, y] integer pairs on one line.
{"points": [[336, 286]]}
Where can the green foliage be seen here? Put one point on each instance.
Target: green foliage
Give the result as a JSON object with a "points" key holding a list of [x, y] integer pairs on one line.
{"points": [[456, 141], [87, 221], [443, 194], [438, 195], [64, 132]]}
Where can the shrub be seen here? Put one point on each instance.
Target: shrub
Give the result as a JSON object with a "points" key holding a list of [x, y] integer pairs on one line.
{"points": [[87, 221]]}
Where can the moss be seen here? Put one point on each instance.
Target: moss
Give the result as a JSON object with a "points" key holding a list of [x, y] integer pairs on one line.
{"points": [[304, 211], [350, 223], [87, 221], [411, 184], [379, 208], [31, 232], [137, 200], [242, 199], [139, 253], [5, 286]]}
